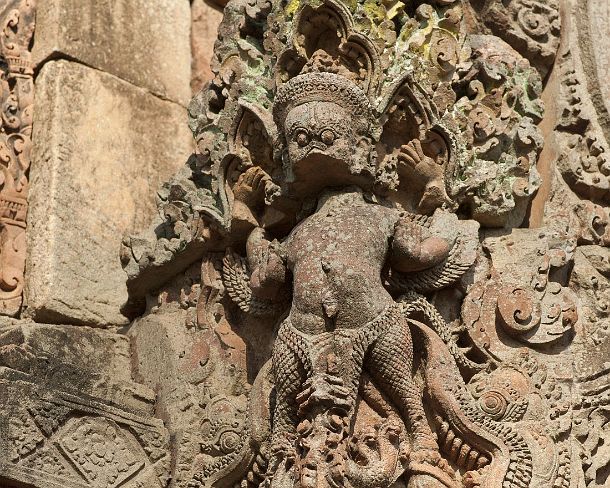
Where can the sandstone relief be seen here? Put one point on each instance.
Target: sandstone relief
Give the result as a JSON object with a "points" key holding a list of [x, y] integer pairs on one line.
{"points": [[17, 99], [349, 227], [370, 273], [75, 419]]}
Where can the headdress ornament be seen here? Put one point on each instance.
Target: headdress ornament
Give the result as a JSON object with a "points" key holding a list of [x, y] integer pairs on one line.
{"points": [[324, 87]]}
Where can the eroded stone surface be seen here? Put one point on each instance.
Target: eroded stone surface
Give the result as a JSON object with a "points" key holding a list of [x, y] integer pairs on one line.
{"points": [[396, 330], [144, 42], [98, 161], [353, 377], [183, 364], [71, 414], [16, 98]]}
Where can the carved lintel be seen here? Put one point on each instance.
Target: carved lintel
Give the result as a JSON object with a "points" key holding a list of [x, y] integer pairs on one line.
{"points": [[74, 424]]}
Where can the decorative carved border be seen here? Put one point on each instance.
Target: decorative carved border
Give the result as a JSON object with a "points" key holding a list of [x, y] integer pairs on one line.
{"points": [[17, 98], [593, 78]]}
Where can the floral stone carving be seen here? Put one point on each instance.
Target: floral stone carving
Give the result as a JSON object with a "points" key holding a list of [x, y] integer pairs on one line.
{"points": [[65, 425], [16, 98], [337, 300]]}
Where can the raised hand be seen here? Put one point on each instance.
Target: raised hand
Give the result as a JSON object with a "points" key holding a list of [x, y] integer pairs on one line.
{"points": [[324, 390], [249, 193], [267, 264], [428, 172], [250, 186]]}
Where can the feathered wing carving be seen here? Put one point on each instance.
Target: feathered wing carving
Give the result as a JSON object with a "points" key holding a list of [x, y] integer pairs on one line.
{"points": [[460, 259], [236, 280]]}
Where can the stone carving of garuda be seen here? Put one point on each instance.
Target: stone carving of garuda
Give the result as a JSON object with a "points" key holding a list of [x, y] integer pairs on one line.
{"points": [[344, 320], [347, 159], [350, 366]]}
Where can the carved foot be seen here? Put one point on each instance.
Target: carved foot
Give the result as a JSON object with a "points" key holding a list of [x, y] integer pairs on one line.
{"points": [[281, 460], [429, 470], [324, 390]]}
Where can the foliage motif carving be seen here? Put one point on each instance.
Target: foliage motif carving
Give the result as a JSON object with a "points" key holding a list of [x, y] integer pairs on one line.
{"points": [[532, 27], [16, 99]]}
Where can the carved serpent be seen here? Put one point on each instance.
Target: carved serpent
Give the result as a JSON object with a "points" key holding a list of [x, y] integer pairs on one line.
{"points": [[448, 395], [414, 302]]}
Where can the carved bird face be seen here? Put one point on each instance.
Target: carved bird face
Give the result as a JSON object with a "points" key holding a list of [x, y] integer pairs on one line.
{"points": [[319, 129]]}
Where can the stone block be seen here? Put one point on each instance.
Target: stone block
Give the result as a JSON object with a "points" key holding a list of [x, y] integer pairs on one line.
{"points": [[75, 420], [145, 42], [204, 31], [84, 348], [599, 29], [102, 147]]}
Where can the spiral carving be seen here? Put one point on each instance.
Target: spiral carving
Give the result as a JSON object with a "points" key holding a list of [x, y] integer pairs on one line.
{"points": [[494, 404], [518, 311], [229, 442], [534, 22]]}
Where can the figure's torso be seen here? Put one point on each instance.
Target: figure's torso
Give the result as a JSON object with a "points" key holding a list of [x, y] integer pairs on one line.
{"points": [[336, 257]]}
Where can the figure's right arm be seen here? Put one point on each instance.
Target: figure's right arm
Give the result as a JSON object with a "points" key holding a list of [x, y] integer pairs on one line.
{"points": [[267, 264]]}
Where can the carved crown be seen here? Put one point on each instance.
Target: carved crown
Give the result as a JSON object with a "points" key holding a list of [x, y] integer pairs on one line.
{"points": [[324, 87]]}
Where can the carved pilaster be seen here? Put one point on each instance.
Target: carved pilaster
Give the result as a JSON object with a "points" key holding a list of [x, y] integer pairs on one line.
{"points": [[16, 98]]}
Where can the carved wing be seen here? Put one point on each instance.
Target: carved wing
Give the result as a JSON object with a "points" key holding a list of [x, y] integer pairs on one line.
{"points": [[236, 280]]}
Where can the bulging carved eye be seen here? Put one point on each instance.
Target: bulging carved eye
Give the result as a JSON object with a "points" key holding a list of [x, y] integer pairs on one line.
{"points": [[327, 136], [302, 138]]}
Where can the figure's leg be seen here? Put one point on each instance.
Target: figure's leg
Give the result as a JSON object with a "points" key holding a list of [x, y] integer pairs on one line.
{"points": [[390, 363], [289, 373]]}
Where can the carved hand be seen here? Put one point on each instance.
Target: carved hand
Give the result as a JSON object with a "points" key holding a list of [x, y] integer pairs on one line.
{"points": [[429, 172], [324, 389], [267, 264], [250, 186], [249, 192]]}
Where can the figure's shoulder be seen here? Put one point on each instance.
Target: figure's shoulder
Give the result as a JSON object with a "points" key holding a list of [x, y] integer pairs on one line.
{"points": [[385, 218], [296, 230]]}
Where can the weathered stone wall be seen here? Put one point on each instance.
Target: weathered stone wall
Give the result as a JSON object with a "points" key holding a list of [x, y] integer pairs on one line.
{"points": [[112, 81], [112, 86], [180, 396]]}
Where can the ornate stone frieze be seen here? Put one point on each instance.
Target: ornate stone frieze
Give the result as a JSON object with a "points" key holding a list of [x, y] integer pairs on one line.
{"points": [[531, 303], [348, 155], [532, 27], [475, 97], [346, 292], [16, 98], [68, 424]]}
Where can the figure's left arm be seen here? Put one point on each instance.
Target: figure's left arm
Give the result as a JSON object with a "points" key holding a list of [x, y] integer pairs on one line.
{"points": [[414, 248], [267, 264]]}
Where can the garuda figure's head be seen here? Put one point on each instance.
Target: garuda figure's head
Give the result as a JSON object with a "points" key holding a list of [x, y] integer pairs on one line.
{"points": [[329, 132]]}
